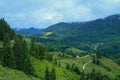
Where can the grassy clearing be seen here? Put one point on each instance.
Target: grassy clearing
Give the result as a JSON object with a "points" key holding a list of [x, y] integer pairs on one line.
{"points": [[115, 69], [79, 62], [61, 74], [11, 74]]}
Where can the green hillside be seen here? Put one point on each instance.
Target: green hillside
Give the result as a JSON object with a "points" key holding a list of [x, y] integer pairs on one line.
{"points": [[61, 56], [104, 32], [61, 73], [12, 74]]}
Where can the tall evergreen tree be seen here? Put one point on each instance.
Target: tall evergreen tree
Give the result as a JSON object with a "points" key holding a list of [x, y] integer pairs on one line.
{"points": [[76, 70], [8, 59], [47, 74], [53, 74], [32, 48], [22, 56], [6, 40], [5, 28]]}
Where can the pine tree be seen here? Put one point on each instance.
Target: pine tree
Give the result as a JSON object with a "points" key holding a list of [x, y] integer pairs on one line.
{"points": [[1, 56], [68, 66], [47, 74], [53, 74], [6, 41], [32, 48], [22, 56], [76, 70], [8, 59], [98, 55]]}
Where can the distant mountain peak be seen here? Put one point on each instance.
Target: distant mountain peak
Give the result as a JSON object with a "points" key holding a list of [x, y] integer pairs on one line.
{"points": [[116, 16]]}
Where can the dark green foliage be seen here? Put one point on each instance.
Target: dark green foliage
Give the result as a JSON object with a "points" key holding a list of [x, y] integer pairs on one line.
{"points": [[55, 62], [8, 58], [59, 64], [68, 66], [6, 40], [82, 35], [50, 75], [22, 56], [1, 55], [38, 51], [94, 76], [98, 55], [95, 60], [76, 70], [5, 28], [110, 47], [49, 57], [53, 74], [47, 74]]}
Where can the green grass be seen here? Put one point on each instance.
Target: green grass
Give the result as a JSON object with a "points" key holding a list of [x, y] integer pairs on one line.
{"points": [[115, 69], [61, 73], [79, 62], [11, 74]]}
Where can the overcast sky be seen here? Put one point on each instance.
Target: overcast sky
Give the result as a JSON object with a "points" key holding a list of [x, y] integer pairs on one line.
{"points": [[42, 13]]}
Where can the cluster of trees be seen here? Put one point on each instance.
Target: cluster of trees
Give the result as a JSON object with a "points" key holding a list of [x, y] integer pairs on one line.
{"points": [[110, 47], [73, 68], [38, 51], [4, 27], [15, 54], [14, 51], [94, 75], [50, 75], [96, 58]]}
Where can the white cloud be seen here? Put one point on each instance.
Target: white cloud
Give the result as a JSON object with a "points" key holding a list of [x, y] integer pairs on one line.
{"points": [[29, 13]]}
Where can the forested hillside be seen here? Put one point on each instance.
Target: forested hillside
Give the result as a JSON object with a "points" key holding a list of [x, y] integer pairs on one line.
{"points": [[99, 34]]}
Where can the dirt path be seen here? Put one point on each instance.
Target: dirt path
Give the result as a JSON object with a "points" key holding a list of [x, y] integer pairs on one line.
{"points": [[86, 64], [85, 56]]}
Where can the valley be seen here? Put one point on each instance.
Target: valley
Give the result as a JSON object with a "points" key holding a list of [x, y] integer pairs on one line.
{"points": [[63, 51]]}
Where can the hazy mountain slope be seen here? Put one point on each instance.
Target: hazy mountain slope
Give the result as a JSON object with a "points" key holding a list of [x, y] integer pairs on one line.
{"points": [[26, 31]]}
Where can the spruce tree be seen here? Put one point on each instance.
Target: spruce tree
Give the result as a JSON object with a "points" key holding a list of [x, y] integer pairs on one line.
{"points": [[47, 74], [53, 74], [8, 58], [22, 56], [6, 40], [76, 70]]}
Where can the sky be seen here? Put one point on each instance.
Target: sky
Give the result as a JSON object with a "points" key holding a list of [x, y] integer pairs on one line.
{"points": [[43, 13]]}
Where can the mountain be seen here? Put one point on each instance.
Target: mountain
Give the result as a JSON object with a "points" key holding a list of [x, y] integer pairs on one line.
{"points": [[22, 59], [27, 31], [97, 35], [91, 31]]}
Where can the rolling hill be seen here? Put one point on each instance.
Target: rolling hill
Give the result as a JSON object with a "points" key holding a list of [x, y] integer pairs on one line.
{"points": [[91, 36], [91, 31]]}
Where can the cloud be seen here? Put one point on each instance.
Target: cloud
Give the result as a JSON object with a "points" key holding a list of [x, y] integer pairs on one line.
{"points": [[42, 13]]}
